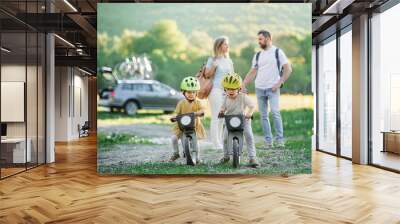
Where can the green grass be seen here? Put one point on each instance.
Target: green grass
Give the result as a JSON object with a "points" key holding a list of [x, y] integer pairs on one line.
{"points": [[295, 122], [118, 139], [273, 162], [297, 125]]}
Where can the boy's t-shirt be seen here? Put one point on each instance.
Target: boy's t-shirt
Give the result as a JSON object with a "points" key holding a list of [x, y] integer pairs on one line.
{"points": [[237, 105], [184, 107]]}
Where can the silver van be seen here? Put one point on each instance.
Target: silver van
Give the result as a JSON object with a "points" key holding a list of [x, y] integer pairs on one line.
{"points": [[131, 95]]}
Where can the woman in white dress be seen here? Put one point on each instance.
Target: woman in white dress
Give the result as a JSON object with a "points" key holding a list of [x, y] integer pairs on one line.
{"points": [[216, 67]]}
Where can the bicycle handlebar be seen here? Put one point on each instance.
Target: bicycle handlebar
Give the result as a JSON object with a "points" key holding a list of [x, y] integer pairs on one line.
{"points": [[174, 119], [222, 115]]}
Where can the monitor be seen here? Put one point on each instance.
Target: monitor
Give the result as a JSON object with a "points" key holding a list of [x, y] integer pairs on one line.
{"points": [[3, 129]]}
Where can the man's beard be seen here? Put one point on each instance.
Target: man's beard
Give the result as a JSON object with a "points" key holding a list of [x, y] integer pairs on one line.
{"points": [[263, 46]]}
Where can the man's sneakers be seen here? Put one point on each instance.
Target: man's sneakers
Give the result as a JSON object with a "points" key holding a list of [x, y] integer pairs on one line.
{"points": [[253, 163], [174, 157]]}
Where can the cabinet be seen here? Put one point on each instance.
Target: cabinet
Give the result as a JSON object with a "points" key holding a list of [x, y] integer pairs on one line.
{"points": [[391, 142]]}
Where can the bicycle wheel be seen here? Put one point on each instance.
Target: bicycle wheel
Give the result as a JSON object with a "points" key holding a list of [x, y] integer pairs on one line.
{"points": [[236, 153], [190, 157]]}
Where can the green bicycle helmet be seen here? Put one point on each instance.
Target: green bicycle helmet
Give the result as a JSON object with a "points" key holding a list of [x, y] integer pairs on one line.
{"points": [[190, 83], [231, 81]]}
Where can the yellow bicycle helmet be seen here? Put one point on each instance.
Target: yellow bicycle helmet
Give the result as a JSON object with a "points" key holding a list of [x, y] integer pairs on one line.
{"points": [[231, 81]]}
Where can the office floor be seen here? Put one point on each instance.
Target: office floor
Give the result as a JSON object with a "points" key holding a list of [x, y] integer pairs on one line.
{"points": [[387, 159], [8, 171], [70, 191]]}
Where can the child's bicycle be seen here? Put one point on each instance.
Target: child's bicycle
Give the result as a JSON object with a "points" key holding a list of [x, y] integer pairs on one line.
{"points": [[186, 123], [235, 126]]}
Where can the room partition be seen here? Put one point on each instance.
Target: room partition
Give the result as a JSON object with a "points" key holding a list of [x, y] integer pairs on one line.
{"points": [[22, 90], [334, 92], [385, 89], [360, 52]]}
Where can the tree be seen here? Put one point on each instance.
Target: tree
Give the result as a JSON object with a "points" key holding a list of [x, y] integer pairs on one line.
{"points": [[290, 43], [103, 42], [248, 52], [124, 44], [164, 35], [201, 42], [174, 55]]}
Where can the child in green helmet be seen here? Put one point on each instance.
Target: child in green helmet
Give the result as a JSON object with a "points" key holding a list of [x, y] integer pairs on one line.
{"points": [[236, 102], [189, 87]]}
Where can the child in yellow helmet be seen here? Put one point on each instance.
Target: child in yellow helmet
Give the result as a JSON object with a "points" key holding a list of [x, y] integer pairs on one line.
{"points": [[189, 87], [236, 102]]}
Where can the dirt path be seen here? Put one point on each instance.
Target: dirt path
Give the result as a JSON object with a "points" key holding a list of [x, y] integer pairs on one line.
{"points": [[160, 151]]}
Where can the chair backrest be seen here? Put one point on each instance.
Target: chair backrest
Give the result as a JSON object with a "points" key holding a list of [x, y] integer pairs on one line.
{"points": [[86, 125]]}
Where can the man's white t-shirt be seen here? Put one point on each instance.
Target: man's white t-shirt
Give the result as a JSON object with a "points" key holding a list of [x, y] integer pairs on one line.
{"points": [[268, 72]]}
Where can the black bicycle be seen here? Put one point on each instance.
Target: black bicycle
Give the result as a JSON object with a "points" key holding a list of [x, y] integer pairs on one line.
{"points": [[186, 123], [235, 126]]}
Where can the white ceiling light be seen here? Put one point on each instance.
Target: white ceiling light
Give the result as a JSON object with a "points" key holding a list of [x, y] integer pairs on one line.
{"points": [[64, 40], [5, 50], [338, 6], [86, 72], [330, 8], [70, 5]]}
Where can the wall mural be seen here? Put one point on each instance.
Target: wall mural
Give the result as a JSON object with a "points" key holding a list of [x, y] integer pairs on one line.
{"points": [[204, 88]]}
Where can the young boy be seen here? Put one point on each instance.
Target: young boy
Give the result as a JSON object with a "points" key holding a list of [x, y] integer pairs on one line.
{"points": [[189, 87], [236, 102]]}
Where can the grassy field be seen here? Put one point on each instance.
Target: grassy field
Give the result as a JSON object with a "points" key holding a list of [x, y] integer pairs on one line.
{"points": [[287, 102], [107, 141], [294, 159], [273, 162]]}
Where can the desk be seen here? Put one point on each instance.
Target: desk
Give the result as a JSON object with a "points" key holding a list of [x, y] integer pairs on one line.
{"points": [[391, 141], [17, 151]]}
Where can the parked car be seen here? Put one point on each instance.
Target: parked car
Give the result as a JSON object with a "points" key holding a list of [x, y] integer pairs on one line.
{"points": [[131, 95]]}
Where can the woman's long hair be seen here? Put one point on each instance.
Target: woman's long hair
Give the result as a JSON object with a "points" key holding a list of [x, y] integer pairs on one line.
{"points": [[217, 46]]}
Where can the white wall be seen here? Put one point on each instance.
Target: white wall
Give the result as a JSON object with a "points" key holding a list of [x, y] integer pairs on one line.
{"points": [[71, 94], [61, 114], [33, 126], [80, 96], [81, 82], [14, 73]]}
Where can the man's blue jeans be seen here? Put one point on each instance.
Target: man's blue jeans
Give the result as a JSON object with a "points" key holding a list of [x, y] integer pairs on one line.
{"points": [[265, 96]]}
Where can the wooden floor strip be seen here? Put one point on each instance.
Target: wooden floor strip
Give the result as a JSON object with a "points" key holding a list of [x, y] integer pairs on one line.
{"points": [[70, 191]]}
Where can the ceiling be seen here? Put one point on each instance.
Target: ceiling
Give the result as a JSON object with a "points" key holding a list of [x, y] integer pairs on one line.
{"points": [[331, 15], [75, 21]]}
